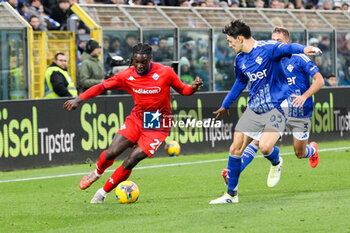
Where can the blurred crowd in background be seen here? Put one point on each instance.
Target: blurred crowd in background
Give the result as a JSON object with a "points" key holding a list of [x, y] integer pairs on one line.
{"points": [[194, 51], [53, 14]]}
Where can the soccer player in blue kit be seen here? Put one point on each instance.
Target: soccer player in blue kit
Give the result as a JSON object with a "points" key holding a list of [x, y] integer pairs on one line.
{"points": [[298, 69], [260, 63]]}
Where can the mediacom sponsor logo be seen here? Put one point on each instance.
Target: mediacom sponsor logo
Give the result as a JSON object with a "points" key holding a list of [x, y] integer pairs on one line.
{"points": [[147, 90]]}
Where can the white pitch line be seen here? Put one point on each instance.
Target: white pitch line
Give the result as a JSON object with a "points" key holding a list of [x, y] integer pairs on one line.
{"points": [[157, 166]]}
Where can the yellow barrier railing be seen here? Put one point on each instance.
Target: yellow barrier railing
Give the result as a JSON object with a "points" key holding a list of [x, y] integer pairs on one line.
{"points": [[29, 32], [96, 30], [45, 45]]}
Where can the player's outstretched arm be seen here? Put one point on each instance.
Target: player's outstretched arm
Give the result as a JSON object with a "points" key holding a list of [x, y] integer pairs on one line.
{"points": [[197, 84], [180, 87], [93, 91], [240, 83], [70, 105], [283, 50]]}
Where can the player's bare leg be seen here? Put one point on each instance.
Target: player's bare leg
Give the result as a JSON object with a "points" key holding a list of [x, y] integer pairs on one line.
{"points": [[106, 159], [120, 174], [303, 150], [268, 149], [300, 147]]}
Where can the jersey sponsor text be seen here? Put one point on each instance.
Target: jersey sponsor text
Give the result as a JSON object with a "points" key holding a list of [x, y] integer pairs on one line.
{"points": [[257, 75], [147, 90]]}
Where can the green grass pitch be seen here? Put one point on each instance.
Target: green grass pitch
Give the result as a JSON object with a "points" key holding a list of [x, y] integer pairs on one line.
{"points": [[175, 198]]}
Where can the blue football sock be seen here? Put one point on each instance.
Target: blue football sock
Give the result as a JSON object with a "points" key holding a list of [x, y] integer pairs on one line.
{"points": [[234, 170], [310, 151], [248, 155], [274, 156]]}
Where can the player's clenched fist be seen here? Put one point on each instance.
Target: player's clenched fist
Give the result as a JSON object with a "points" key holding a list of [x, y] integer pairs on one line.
{"points": [[312, 51], [197, 84]]}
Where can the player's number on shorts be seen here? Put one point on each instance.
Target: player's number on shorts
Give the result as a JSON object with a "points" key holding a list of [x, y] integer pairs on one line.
{"points": [[306, 127], [154, 145], [279, 118]]}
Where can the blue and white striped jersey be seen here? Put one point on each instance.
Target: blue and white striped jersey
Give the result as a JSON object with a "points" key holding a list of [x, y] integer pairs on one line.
{"points": [[298, 70], [263, 68]]}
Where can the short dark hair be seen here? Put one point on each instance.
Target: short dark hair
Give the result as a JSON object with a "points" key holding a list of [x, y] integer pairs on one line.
{"points": [[58, 54], [237, 28], [330, 76], [281, 30], [32, 17]]}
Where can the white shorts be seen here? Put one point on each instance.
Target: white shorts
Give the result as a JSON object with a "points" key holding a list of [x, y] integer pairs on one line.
{"points": [[300, 127], [253, 125]]}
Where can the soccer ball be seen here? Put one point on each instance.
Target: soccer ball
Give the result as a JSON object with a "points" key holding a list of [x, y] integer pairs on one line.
{"points": [[172, 148], [127, 192]]}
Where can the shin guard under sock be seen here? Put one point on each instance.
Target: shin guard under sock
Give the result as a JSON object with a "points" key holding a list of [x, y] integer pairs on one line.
{"points": [[248, 155], [234, 170]]}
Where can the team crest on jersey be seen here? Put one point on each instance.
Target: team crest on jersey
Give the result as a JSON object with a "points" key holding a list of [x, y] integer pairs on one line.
{"points": [[131, 78], [243, 67], [155, 76], [290, 68], [259, 60]]}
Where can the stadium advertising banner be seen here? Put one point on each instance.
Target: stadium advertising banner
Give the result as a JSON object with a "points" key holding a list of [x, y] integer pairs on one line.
{"points": [[40, 133]]}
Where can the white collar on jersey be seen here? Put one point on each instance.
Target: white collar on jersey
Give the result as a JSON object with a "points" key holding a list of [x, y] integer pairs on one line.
{"points": [[255, 43]]}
